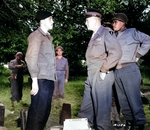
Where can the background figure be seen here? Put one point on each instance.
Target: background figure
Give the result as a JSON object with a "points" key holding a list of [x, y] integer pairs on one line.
{"points": [[103, 53], [17, 65], [62, 71], [134, 44], [40, 58]]}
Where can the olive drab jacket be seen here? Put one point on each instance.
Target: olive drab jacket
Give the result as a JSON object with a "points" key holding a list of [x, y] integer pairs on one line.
{"points": [[40, 56], [134, 44], [103, 51]]}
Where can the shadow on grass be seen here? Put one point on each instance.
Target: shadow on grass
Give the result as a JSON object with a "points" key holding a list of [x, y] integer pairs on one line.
{"points": [[18, 120], [25, 105]]}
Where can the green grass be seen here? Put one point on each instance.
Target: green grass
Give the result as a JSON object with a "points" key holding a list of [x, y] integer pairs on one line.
{"points": [[73, 95]]}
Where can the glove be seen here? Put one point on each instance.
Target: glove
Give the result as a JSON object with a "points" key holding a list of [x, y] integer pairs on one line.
{"points": [[35, 86], [102, 75]]}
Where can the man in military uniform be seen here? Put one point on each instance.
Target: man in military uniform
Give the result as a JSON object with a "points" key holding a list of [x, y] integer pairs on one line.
{"points": [[97, 100], [134, 44], [17, 66]]}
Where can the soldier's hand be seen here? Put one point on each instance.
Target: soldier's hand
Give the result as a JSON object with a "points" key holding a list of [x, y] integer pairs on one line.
{"points": [[35, 86], [66, 80]]}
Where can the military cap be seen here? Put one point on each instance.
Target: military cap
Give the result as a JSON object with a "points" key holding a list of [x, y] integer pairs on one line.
{"points": [[42, 15], [121, 17], [59, 47], [19, 53], [91, 12]]}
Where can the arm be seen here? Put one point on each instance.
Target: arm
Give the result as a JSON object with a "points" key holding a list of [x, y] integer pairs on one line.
{"points": [[12, 65], [114, 53], [35, 86], [144, 40], [23, 64], [31, 58], [67, 72]]}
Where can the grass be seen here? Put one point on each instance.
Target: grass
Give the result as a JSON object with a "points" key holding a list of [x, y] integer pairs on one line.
{"points": [[73, 95]]}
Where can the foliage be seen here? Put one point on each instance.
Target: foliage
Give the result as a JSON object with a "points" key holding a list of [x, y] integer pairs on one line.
{"points": [[17, 21], [4, 71]]}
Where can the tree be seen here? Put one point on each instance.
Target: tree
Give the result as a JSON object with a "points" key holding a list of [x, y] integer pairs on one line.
{"points": [[17, 21]]}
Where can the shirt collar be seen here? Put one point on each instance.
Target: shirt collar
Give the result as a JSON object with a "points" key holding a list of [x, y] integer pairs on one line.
{"points": [[123, 29], [41, 31]]}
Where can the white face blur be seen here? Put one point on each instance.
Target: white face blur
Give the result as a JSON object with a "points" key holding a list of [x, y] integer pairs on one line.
{"points": [[90, 23], [48, 22]]}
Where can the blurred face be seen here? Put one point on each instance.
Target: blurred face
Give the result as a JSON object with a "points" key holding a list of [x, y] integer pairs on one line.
{"points": [[48, 22], [19, 57], [90, 23], [59, 52], [117, 25]]}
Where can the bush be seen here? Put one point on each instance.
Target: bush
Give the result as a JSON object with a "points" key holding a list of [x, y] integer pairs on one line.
{"points": [[4, 71]]}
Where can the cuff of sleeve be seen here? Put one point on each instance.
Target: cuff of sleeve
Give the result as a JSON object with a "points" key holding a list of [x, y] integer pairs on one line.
{"points": [[33, 75], [104, 70]]}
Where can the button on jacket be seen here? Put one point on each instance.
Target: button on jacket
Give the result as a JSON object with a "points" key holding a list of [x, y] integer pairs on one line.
{"points": [[40, 56]]}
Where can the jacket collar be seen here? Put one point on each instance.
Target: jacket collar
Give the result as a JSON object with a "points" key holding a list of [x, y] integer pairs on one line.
{"points": [[98, 33], [121, 32], [41, 31], [45, 34]]}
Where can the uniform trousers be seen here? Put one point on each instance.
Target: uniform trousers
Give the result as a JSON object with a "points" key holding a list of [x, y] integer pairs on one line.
{"points": [[127, 82], [40, 107], [97, 100], [59, 84]]}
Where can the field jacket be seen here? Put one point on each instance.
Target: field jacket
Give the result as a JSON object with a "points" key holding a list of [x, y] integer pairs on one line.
{"points": [[40, 56], [103, 51], [133, 44]]}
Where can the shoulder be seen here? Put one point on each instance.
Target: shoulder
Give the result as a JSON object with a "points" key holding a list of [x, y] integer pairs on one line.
{"points": [[36, 34], [131, 30], [64, 58], [13, 60], [108, 31]]}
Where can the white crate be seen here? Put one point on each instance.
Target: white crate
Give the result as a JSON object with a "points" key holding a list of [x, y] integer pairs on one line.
{"points": [[76, 124]]}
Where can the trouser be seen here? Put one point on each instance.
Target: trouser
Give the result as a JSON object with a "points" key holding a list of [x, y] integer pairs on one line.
{"points": [[20, 84], [40, 107], [127, 82], [15, 90], [16, 87], [59, 84], [97, 100]]}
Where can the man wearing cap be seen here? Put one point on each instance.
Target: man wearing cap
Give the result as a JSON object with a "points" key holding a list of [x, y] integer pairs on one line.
{"points": [[62, 71], [134, 44], [40, 58], [17, 65], [102, 54]]}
